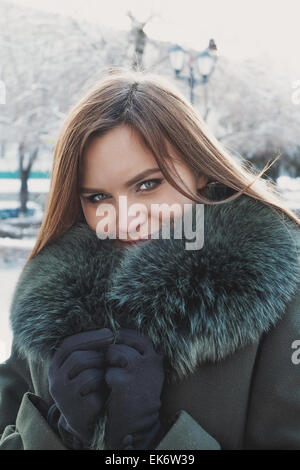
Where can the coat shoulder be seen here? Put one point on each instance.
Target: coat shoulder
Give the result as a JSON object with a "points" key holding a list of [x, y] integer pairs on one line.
{"points": [[274, 402]]}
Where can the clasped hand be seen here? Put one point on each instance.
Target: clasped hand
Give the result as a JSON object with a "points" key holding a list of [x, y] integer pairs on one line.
{"points": [[88, 371]]}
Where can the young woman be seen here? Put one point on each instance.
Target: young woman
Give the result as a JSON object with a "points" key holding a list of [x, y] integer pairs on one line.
{"points": [[150, 344]]}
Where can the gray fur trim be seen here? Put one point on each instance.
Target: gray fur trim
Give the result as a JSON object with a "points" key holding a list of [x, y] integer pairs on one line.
{"points": [[196, 306], [98, 441]]}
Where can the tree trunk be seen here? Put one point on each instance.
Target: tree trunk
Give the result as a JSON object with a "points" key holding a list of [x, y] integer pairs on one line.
{"points": [[24, 193], [140, 42], [24, 175]]}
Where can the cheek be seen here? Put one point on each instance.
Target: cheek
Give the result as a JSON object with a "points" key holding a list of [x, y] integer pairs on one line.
{"points": [[173, 196], [90, 215], [101, 223], [171, 206]]}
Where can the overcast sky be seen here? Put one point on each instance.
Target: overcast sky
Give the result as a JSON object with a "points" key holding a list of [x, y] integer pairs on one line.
{"points": [[241, 28]]}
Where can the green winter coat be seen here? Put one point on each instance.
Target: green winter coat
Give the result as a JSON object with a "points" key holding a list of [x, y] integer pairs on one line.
{"points": [[226, 317]]}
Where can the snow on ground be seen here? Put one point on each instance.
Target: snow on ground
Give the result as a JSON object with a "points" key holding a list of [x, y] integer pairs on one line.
{"points": [[16, 243], [35, 185], [290, 188], [13, 254], [289, 184], [8, 280]]}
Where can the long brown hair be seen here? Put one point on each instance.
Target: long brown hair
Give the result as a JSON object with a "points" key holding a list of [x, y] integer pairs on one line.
{"points": [[157, 110]]}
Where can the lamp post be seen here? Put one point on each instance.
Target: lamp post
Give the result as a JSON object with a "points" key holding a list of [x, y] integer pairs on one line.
{"points": [[202, 64]]}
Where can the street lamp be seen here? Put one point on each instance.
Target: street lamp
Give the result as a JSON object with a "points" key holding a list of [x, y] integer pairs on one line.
{"points": [[205, 63], [177, 56]]}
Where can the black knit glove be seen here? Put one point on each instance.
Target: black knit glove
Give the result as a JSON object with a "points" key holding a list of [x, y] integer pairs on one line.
{"points": [[77, 386], [135, 375]]}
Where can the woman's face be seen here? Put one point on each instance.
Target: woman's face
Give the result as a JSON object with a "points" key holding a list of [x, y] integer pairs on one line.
{"points": [[119, 164]]}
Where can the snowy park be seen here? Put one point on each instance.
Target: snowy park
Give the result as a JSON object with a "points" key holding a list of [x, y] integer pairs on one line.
{"points": [[149, 226]]}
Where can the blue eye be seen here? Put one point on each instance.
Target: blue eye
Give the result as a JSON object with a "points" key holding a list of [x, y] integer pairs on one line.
{"points": [[156, 182], [152, 184], [93, 197]]}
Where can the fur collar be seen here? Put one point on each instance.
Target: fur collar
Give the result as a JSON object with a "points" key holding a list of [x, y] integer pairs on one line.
{"points": [[195, 305]]}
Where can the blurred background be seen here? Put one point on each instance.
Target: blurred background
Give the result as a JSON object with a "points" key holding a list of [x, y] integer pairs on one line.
{"points": [[237, 62]]}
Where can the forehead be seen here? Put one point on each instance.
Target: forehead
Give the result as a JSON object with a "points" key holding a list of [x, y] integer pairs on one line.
{"points": [[117, 154]]}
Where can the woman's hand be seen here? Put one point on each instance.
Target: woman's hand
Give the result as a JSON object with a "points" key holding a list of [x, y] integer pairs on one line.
{"points": [[77, 385], [135, 375]]}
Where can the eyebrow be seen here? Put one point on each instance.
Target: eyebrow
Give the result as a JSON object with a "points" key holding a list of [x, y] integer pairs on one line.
{"points": [[135, 179]]}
